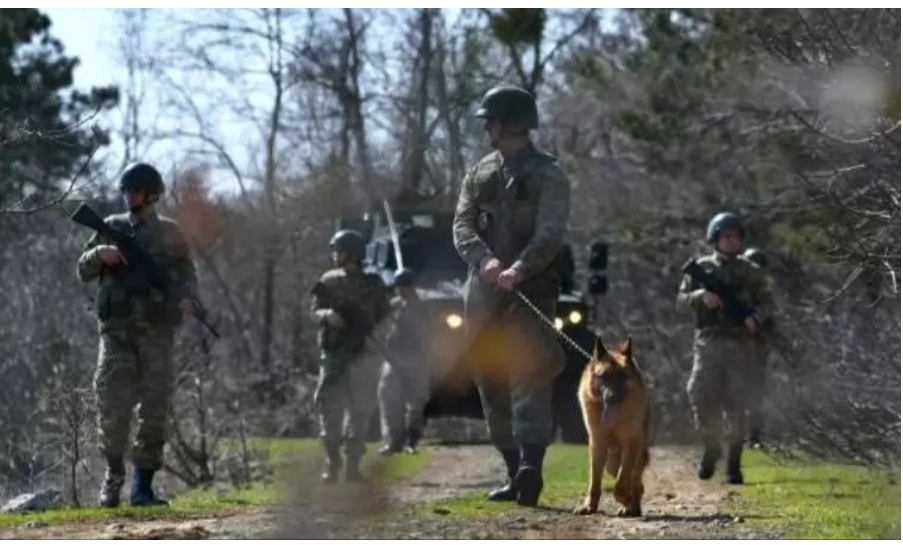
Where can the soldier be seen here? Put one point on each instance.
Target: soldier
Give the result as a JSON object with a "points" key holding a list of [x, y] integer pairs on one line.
{"points": [[759, 375], [137, 325], [348, 373], [404, 386], [723, 360], [509, 226]]}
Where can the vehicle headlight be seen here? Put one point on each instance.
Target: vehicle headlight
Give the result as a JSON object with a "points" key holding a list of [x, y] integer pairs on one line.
{"points": [[454, 321], [559, 323], [575, 317]]}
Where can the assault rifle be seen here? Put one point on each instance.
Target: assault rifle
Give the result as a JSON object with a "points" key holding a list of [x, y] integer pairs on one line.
{"points": [[737, 311], [358, 325], [142, 269]]}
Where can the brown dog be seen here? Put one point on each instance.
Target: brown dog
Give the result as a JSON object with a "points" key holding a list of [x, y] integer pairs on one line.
{"points": [[615, 403]]}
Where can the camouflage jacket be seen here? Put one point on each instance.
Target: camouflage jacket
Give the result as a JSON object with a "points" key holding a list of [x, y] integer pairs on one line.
{"points": [[406, 332], [363, 293], [749, 281], [121, 301], [515, 209]]}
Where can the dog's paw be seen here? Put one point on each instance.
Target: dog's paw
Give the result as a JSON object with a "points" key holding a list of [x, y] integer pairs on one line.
{"points": [[585, 509], [630, 512]]}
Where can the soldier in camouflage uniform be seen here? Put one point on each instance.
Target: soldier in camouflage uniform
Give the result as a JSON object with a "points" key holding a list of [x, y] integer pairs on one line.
{"points": [[757, 387], [723, 360], [509, 226], [137, 325], [348, 372], [404, 387]]}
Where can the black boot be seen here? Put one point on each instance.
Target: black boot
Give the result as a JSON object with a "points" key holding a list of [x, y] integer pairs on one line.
{"points": [[333, 462], [529, 477], [389, 449], [413, 440], [353, 470], [755, 438], [707, 464], [142, 491], [508, 492], [733, 475], [112, 483]]}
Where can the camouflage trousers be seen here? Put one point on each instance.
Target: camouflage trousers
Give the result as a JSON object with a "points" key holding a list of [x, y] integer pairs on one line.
{"points": [[346, 402], [758, 378], [404, 391], [134, 367], [515, 358], [719, 385]]}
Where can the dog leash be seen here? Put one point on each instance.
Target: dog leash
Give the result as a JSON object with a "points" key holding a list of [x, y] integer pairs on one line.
{"points": [[545, 319]]}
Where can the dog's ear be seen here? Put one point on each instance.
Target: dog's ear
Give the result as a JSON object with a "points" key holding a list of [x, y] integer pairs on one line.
{"points": [[599, 350], [626, 349]]}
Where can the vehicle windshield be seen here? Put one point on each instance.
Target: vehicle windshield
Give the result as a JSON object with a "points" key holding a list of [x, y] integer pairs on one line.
{"points": [[432, 254]]}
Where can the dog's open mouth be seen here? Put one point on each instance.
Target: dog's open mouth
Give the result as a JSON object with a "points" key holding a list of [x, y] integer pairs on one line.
{"points": [[609, 413]]}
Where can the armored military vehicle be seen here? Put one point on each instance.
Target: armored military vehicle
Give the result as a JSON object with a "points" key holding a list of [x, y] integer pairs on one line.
{"points": [[426, 246]]}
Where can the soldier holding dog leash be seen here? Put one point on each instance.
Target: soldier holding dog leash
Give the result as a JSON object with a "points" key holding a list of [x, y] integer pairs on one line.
{"points": [[509, 225]]}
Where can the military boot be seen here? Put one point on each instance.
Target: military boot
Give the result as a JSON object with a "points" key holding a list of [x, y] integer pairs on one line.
{"points": [[394, 445], [413, 440], [755, 439], [528, 480], [142, 491], [707, 464], [112, 483], [733, 475], [390, 448], [333, 462], [353, 470], [507, 492]]}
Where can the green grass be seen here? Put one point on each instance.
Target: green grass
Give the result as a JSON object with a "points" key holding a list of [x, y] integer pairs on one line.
{"points": [[287, 457], [819, 500], [813, 501]]}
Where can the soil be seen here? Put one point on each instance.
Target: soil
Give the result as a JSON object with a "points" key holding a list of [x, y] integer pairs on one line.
{"points": [[676, 506]]}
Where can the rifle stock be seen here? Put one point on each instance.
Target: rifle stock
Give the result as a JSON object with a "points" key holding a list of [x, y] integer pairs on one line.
{"points": [[138, 261]]}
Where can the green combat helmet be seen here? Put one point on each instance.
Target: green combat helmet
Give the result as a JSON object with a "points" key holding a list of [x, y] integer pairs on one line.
{"points": [[722, 221], [512, 105], [348, 240], [141, 177], [757, 256]]}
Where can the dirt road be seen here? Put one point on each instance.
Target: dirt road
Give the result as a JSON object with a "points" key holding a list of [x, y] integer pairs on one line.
{"points": [[677, 506]]}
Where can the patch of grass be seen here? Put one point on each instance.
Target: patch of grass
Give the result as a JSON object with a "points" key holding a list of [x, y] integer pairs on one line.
{"points": [[287, 457], [819, 500], [810, 501], [568, 464]]}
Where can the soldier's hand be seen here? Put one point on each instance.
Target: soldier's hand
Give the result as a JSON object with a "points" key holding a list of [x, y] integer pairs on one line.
{"points": [[510, 278], [490, 269], [711, 300], [751, 323], [110, 255]]}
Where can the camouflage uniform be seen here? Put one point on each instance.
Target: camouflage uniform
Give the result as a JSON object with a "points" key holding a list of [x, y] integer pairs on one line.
{"points": [[516, 210], [137, 327], [346, 389], [723, 352], [404, 386]]}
